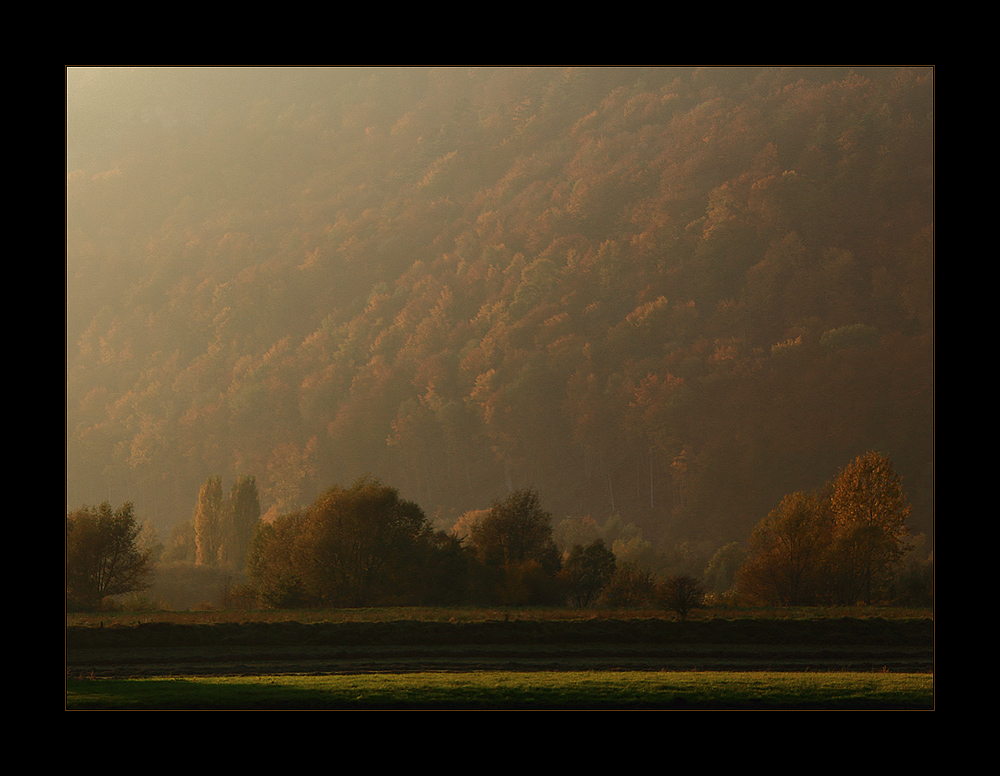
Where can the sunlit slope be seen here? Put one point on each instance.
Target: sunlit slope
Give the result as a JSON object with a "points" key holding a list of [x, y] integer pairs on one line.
{"points": [[674, 294]]}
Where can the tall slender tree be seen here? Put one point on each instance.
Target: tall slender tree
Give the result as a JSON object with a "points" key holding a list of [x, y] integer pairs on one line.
{"points": [[239, 519], [208, 518]]}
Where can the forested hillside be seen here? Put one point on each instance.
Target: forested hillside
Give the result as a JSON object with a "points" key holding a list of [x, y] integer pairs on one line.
{"points": [[670, 294]]}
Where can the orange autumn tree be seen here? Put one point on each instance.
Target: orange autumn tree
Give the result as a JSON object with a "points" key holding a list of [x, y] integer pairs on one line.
{"points": [[787, 558], [357, 546], [842, 544], [869, 511]]}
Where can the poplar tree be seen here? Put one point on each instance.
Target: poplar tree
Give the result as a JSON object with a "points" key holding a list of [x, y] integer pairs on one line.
{"points": [[208, 518], [239, 521]]}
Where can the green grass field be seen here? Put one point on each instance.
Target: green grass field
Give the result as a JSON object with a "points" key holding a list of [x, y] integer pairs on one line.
{"points": [[512, 690]]}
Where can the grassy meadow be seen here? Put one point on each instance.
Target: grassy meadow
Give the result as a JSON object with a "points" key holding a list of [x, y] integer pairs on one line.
{"points": [[513, 690]]}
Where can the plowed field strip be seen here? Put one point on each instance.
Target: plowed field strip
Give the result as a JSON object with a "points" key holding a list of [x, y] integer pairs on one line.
{"points": [[243, 660]]}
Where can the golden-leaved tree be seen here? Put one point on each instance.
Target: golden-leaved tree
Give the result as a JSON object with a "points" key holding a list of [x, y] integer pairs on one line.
{"points": [[356, 546], [787, 556], [240, 519], [208, 522], [224, 527], [869, 510], [843, 544]]}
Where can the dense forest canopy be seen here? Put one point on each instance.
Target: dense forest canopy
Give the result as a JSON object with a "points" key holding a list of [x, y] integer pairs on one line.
{"points": [[666, 294]]}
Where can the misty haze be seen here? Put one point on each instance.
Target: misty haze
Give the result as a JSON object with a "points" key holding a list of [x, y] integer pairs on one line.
{"points": [[658, 299]]}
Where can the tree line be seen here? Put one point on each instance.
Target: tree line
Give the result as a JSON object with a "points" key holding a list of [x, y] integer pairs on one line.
{"points": [[366, 546]]}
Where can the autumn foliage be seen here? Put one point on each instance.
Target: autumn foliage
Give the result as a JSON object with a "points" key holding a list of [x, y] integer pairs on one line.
{"points": [[673, 294], [843, 544], [103, 556], [356, 546]]}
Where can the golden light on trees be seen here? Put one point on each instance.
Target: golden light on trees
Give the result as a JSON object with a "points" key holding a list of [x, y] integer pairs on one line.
{"points": [[843, 544], [869, 514]]}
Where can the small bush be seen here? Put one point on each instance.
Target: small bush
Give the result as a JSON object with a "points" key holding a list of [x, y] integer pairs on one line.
{"points": [[681, 594], [630, 587]]}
